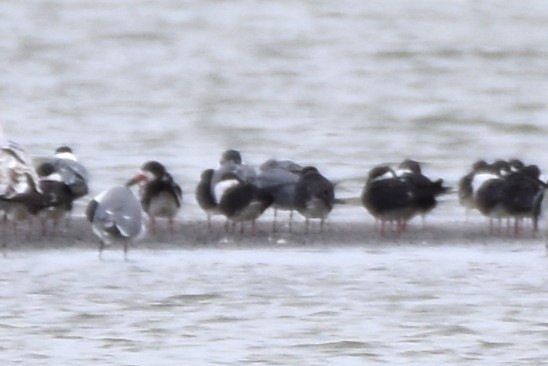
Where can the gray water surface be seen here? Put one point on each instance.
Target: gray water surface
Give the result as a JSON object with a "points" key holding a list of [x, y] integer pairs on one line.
{"points": [[395, 305], [341, 85]]}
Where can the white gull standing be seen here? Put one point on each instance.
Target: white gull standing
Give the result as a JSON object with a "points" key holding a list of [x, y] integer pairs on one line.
{"points": [[116, 217]]}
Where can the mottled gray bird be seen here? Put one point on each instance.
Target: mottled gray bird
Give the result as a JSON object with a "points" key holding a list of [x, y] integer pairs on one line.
{"points": [[314, 196], [20, 195]]}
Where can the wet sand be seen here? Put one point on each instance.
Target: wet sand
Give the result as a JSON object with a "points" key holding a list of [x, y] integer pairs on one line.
{"points": [[194, 234]]}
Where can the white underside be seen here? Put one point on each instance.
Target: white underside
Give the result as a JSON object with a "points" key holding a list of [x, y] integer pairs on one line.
{"points": [[163, 205], [251, 212], [316, 209]]}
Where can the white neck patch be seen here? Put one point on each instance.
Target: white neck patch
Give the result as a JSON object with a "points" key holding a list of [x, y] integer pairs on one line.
{"points": [[56, 177], [66, 155], [387, 175]]}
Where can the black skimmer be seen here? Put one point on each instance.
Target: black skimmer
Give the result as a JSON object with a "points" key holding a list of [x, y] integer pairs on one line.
{"points": [[487, 188], [465, 189], [240, 201], [57, 195], [425, 191], [233, 189], [388, 198], [521, 188], [505, 189], [281, 177], [115, 216], [206, 200], [314, 196], [160, 195], [72, 172]]}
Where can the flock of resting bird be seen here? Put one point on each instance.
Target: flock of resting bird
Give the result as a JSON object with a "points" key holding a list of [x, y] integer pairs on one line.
{"points": [[47, 188]]}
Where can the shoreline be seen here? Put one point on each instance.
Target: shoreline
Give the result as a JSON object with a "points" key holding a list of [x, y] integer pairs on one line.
{"points": [[194, 234]]}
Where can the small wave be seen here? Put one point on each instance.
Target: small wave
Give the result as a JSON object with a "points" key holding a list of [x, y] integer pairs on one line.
{"points": [[187, 298], [493, 344], [222, 319], [337, 345]]}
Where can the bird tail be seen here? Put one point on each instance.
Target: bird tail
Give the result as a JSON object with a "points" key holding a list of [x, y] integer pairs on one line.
{"points": [[439, 188]]}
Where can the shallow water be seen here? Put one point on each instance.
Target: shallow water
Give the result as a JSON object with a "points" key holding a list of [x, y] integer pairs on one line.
{"points": [[392, 305], [342, 85]]}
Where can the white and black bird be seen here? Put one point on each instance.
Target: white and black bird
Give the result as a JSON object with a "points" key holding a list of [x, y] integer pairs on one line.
{"points": [[57, 196], [519, 192], [465, 190], [116, 217], [205, 198], [160, 195], [234, 191], [504, 189], [425, 191], [314, 196], [388, 198], [488, 191], [73, 173], [241, 201]]}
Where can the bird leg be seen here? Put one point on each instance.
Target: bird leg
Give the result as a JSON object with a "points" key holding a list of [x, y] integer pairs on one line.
{"points": [[517, 226], [290, 220], [68, 217], [152, 225], [382, 230], [171, 226], [101, 247], [29, 233], [274, 221], [4, 239], [55, 228], [43, 224]]}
